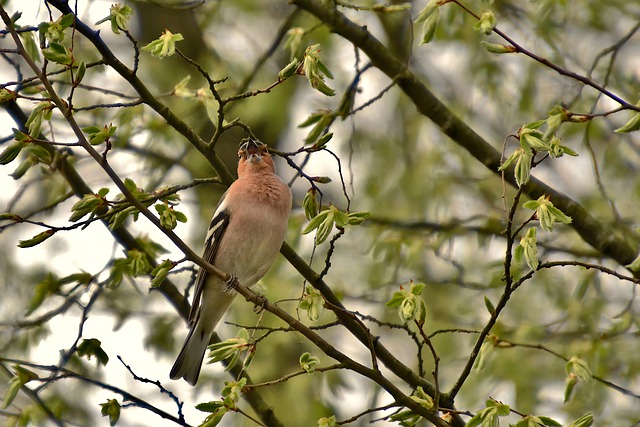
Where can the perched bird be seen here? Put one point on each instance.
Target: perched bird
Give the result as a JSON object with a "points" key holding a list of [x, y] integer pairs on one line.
{"points": [[244, 238]]}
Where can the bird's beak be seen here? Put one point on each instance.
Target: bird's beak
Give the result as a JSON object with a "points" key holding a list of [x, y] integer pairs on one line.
{"points": [[253, 151]]}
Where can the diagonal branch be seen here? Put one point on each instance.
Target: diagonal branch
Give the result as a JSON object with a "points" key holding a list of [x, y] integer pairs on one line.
{"points": [[621, 246]]}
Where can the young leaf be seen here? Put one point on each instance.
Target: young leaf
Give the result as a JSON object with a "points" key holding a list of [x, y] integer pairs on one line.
{"points": [[293, 42], [428, 10], [328, 421], [37, 239], [498, 48], [310, 204], [111, 409], [527, 250], [316, 70], [313, 302], [631, 126], [119, 15], [430, 26], [10, 153], [58, 53], [308, 362], [160, 272], [165, 45], [410, 304], [486, 23], [20, 378], [546, 213], [289, 70], [7, 95], [92, 347], [231, 349], [584, 421]]}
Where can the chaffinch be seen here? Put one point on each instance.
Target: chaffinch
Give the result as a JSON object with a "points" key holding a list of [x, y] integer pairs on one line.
{"points": [[244, 238]]}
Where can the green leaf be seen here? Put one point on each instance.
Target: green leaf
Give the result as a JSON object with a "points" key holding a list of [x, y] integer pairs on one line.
{"points": [[80, 72], [45, 288], [215, 418], [289, 70], [165, 45], [430, 26], [7, 95], [528, 250], [316, 70], [54, 31], [315, 222], [8, 216], [579, 368], [310, 204], [232, 349], [111, 409], [570, 384], [498, 48], [340, 219], [324, 139], [535, 141], [328, 421], [313, 302], [584, 421], [523, 168], [308, 362], [486, 23], [357, 218], [209, 406], [119, 15], [99, 135], [485, 350], [21, 377], [632, 125], [427, 11], [546, 213], [160, 272], [67, 20], [168, 216], [37, 116], [58, 53], [139, 263], [37, 239], [549, 421], [232, 391], [293, 42], [489, 305], [30, 45], [92, 347], [422, 398], [325, 227], [409, 303], [10, 153], [89, 204]]}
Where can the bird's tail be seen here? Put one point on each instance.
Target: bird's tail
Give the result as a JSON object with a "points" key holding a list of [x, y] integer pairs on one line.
{"points": [[189, 360]]}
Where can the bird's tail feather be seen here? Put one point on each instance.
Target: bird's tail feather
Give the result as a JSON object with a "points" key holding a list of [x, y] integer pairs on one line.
{"points": [[189, 360]]}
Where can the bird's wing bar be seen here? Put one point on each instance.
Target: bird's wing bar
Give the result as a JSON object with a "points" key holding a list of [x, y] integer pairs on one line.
{"points": [[218, 226]]}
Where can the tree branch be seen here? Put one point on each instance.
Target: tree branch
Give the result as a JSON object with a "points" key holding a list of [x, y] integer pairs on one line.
{"points": [[621, 247]]}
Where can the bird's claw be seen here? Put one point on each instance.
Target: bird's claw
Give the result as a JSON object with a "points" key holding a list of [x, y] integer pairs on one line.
{"points": [[261, 303], [231, 283]]}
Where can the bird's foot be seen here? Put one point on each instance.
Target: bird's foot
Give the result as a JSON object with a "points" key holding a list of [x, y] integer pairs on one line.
{"points": [[231, 283], [261, 303]]}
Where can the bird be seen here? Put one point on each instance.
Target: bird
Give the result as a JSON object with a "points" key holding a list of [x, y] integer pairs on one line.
{"points": [[244, 238]]}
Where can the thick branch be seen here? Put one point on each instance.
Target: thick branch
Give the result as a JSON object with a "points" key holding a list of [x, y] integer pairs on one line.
{"points": [[593, 231], [345, 361], [130, 76]]}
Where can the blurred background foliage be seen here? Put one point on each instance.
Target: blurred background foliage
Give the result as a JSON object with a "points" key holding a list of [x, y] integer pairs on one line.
{"points": [[437, 213]]}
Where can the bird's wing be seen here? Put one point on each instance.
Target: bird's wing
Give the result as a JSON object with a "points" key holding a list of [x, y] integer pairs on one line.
{"points": [[218, 226]]}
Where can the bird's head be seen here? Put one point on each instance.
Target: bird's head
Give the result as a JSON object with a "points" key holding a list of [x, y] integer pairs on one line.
{"points": [[254, 155]]}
